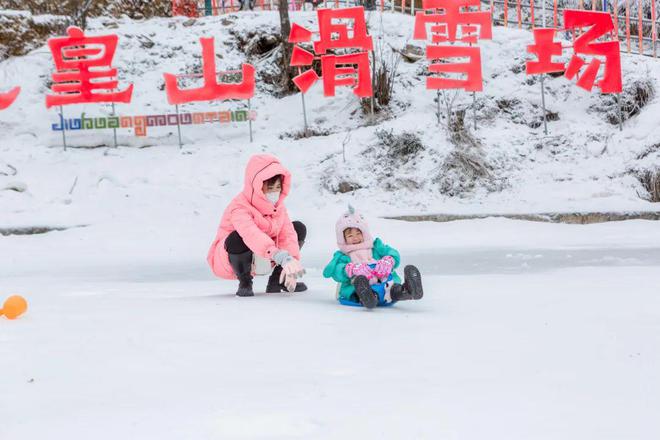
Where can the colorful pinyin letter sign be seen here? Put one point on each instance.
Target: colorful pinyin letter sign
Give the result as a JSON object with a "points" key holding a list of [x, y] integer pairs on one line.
{"points": [[334, 68], [84, 70], [211, 90], [7, 99], [443, 18], [599, 24]]}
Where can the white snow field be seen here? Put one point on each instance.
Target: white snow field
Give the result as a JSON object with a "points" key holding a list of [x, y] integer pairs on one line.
{"points": [[527, 331]]}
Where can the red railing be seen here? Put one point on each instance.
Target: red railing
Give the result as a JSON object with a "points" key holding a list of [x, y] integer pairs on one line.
{"points": [[527, 13]]}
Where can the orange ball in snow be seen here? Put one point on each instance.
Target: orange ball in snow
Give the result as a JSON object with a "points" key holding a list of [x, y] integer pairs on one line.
{"points": [[14, 307]]}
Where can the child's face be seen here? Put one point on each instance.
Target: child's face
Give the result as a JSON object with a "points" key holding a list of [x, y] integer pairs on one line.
{"points": [[353, 236], [272, 187]]}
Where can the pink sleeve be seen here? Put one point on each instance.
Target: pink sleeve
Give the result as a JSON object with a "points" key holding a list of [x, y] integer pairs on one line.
{"points": [[258, 241]]}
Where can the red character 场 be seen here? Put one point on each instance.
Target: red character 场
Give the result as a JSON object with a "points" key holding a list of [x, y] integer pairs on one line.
{"points": [[83, 70], [599, 24], [351, 69], [544, 48], [212, 89]]}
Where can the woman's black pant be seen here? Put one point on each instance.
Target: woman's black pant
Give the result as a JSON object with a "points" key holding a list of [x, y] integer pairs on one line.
{"points": [[234, 243]]}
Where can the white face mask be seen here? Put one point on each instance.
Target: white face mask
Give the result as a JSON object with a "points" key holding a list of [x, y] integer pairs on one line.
{"points": [[273, 196]]}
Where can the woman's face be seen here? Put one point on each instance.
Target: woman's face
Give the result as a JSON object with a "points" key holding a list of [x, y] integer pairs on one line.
{"points": [[353, 236], [272, 187]]}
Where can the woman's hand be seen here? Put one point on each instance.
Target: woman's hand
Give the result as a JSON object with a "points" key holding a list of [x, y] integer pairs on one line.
{"points": [[293, 267], [291, 271]]}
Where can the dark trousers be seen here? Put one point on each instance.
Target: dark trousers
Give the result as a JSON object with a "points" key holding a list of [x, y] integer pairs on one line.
{"points": [[234, 243]]}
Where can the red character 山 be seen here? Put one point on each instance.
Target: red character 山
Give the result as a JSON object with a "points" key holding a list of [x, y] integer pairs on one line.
{"points": [[211, 90]]}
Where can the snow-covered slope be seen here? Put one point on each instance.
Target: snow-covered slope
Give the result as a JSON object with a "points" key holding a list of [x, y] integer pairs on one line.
{"points": [[581, 165]]}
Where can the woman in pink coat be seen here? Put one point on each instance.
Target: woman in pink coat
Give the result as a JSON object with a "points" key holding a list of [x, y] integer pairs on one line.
{"points": [[256, 222]]}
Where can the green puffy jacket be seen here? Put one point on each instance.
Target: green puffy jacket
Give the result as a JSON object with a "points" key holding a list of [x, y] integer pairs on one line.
{"points": [[336, 269]]}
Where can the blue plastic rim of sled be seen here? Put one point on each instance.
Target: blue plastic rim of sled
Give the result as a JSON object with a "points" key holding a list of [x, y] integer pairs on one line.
{"points": [[379, 289]]}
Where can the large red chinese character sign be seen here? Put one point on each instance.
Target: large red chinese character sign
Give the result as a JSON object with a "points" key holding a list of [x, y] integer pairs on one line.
{"points": [[599, 25], [444, 19], [7, 99], [351, 69], [84, 70], [211, 90]]}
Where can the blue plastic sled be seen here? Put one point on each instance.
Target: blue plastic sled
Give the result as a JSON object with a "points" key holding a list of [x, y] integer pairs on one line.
{"points": [[378, 288]]}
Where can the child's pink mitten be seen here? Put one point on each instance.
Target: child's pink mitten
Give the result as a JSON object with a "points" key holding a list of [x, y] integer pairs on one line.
{"points": [[384, 267], [353, 270]]}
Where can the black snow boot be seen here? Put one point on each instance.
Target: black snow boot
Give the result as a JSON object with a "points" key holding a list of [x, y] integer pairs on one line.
{"points": [[274, 285], [398, 293], [413, 282], [242, 267], [363, 290]]}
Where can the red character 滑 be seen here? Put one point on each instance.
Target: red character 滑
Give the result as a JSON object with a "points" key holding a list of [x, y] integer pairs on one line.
{"points": [[351, 69], [328, 29]]}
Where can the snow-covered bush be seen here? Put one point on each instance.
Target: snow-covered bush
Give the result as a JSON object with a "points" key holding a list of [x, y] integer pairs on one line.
{"points": [[139, 9], [136, 9], [385, 70], [636, 94], [465, 168], [650, 180], [20, 32], [399, 147], [302, 133]]}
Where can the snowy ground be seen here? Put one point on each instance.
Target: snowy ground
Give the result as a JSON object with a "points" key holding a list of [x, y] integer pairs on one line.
{"points": [[527, 331]]}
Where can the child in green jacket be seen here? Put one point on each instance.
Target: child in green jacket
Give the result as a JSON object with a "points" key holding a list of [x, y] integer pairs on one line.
{"points": [[364, 267]]}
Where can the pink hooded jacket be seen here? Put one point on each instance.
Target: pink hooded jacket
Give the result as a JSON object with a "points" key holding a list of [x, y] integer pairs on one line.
{"points": [[264, 227]]}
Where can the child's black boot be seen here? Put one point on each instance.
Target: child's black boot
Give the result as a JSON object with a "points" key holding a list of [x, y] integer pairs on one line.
{"points": [[363, 290], [413, 282], [398, 293]]}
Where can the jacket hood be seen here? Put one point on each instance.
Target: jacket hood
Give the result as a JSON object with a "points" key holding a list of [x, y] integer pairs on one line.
{"points": [[260, 168]]}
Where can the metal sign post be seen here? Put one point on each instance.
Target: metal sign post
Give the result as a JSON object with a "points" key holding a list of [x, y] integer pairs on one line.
{"points": [[302, 96], [178, 126], [250, 118], [545, 118], [618, 100], [114, 129], [63, 126]]}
